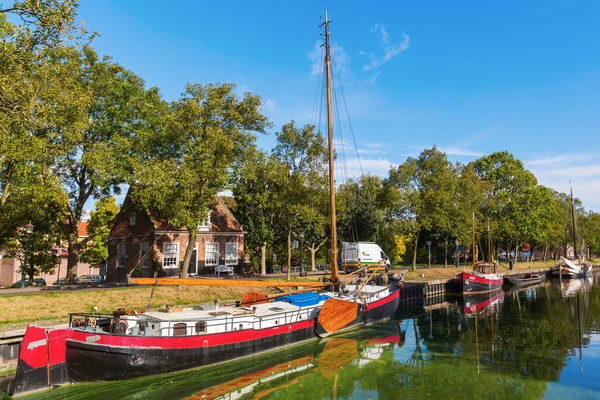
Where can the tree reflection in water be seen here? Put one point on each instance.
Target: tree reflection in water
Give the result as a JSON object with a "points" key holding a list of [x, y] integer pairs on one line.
{"points": [[521, 344]]}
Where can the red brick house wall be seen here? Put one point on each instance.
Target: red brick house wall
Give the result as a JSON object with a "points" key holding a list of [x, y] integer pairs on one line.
{"points": [[141, 230]]}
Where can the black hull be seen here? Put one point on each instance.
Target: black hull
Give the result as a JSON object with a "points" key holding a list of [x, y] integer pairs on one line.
{"points": [[522, 282], [364, 317], [92, 362], [28, 379]]}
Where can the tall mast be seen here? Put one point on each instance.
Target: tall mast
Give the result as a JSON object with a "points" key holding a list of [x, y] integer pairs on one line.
{"points": [[489, 244], [473, 257], [334, 267], [573, 219]]}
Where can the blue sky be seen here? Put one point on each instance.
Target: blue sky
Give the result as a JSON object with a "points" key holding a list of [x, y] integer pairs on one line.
{"points": [[471, 77]]}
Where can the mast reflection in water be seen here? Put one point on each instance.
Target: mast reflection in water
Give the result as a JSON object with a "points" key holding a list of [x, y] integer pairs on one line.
{"points": [[537, 342]]}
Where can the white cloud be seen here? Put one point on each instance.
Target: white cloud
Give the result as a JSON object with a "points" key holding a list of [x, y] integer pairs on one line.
{"points": [[560, 172], [449, 150], [271, 105], [457, 151], [373, 166], [390, 50]]}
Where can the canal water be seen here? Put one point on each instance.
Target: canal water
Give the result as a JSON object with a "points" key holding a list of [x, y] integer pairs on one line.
{"points": [[541, 342]]}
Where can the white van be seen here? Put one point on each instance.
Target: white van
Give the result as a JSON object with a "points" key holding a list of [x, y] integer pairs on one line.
{"points": [[362, 254]]}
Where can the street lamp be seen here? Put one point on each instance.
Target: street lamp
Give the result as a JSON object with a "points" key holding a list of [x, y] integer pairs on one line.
{"points": [[28, 231]]}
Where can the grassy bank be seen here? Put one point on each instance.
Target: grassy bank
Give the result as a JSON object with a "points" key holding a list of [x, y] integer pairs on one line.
{"points": [[437, 272], [54, 307]]}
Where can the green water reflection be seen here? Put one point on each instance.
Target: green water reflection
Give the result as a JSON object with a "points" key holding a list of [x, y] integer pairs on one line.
{"points": [[537, 342]]}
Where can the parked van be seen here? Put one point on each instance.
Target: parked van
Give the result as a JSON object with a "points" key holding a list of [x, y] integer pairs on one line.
{"points": [[362, 254]]}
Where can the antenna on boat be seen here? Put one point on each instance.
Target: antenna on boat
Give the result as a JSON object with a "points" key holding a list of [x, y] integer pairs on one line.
{"points": [[334, 267]]}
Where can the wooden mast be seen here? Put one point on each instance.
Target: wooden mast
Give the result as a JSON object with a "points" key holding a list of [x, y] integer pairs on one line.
{"points": [[489, 260], [334, 267], [573, 221], [473, 255]]}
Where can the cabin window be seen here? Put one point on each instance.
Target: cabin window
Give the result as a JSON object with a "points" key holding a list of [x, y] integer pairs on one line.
{"points": [[231, 253], [121, 255], [179, 329], [171, 255], [144, 256], [200, 327], [241, 326], [132, 219], [212, 253]]}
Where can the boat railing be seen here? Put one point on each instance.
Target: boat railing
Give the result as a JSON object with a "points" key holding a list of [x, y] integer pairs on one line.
{"points": [[119, 324]]}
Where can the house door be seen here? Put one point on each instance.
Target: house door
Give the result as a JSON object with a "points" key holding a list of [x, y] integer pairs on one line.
{"points": [[193, 270]]}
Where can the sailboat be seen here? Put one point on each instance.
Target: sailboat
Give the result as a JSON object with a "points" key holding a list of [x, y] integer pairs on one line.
{"points": [[567, 269], [483, 278], [132, 343]]}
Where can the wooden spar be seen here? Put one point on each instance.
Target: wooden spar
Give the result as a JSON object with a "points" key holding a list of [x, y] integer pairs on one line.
{"points": [[573, 220], [334, 267], [473, 255], [489, 244], [223, 282], [258, 297], [354, 272]]}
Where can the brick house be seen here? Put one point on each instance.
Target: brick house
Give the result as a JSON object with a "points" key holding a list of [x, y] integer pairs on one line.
{"points": [[10, 267], [142, 242]]}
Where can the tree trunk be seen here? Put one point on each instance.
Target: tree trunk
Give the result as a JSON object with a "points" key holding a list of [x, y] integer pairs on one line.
{"points": [[72, 254], [531, 251], [188, 253], [414, 267], [313, 254], [289, 256], [446, 254], [263, 259], [545, 251]]}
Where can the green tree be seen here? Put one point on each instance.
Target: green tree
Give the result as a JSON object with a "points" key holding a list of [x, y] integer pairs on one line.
{"points": [[255, 184], [208, 129], [509, 190], [95, 157], [419, 189], [95, 251], [38, 99], [303, 153]]}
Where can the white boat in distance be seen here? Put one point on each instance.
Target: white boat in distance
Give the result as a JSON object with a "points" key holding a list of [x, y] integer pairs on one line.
{"points": [[566, 269]]}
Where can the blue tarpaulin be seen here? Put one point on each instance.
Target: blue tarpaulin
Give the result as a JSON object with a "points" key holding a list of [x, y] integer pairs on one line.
{"points": [[304, 299]]}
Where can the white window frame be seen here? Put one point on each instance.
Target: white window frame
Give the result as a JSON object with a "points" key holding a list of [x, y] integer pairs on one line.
{"points": [[132, 219], [206, 224], [231, 255], [210, 262], [144, 255], [121, 254], [164, 253]]}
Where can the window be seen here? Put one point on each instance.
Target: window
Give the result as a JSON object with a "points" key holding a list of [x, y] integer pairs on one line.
{"points": [[179, 329], [121, 255], [144, 255], [231, 253], [170, 255], [200, 327], [132, 218], [205, 225], [212, 253]]}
